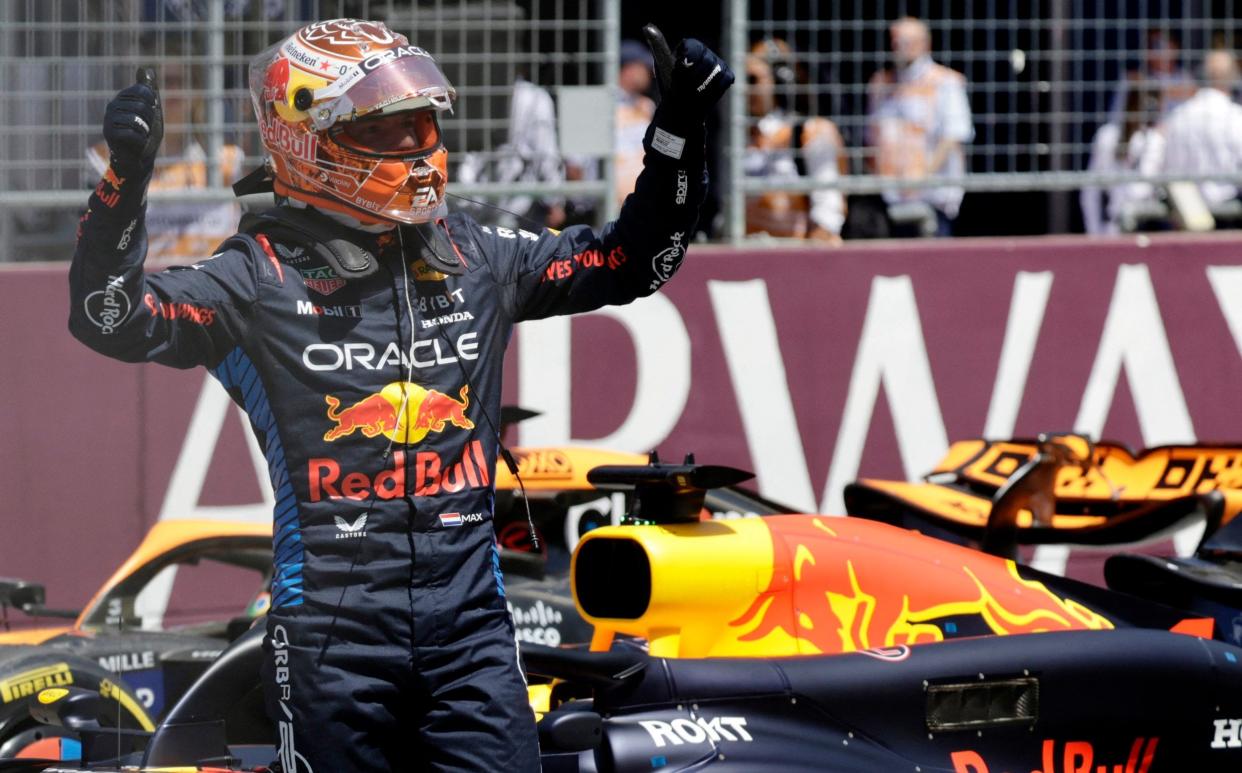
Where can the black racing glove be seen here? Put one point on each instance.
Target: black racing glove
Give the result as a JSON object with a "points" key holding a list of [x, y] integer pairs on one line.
{"points": [[692, 80], [699, 79], [134, 126]]}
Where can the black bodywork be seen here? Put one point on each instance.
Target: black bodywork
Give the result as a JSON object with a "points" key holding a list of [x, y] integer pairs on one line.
{"points": [[1128, 700]]}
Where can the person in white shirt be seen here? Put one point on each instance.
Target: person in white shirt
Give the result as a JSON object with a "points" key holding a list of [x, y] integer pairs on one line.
{"points": [[633, 113], [919, 119], [530, 153], [1160, 70], [1131, 142], [1204, 134]]}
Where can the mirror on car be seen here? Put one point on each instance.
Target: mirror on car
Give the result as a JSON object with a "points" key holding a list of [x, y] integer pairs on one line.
{"points": [[21, 594], [29, 598]]}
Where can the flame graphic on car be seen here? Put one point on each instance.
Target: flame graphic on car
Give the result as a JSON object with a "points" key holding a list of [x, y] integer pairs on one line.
{"points": [[845, 594]]}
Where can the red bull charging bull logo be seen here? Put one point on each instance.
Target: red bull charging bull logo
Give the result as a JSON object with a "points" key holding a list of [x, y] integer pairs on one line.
{"points": [[426, 410], [113, 180], [109, 188], [834, 590], [276, 81]]}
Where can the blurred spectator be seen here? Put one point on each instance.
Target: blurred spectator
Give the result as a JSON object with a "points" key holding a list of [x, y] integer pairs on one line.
{"points": [[1204, 134], [184, 231], [1130, 143], [634, 112], [531, 153], [1162, 70], [792, 92], [919, 118], [784, 145]]}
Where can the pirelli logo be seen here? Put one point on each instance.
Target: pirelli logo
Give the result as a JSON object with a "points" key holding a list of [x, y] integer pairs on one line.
{"points": [[30, 682]]}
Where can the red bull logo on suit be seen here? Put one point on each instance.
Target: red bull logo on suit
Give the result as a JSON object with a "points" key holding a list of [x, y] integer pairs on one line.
{"points": [[403, 413], [433, 474], [426, 410]]}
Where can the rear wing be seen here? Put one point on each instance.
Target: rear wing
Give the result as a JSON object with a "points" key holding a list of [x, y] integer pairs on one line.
{"points": [[1063, 489]]}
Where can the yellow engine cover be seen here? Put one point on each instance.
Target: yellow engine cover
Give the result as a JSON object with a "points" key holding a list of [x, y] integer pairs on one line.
{"points": [[801, 584]]}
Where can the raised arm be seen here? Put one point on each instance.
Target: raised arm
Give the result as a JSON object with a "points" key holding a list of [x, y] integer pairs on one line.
{"points": [[633, 256], [180, 317]]}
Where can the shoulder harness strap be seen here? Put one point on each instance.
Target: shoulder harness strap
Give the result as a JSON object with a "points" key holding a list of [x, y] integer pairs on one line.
{"points": [[434, 243], [317, 235], [331, 242]]}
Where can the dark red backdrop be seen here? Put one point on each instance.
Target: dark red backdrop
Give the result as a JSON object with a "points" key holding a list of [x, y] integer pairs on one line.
{"points": [[90, 445]]}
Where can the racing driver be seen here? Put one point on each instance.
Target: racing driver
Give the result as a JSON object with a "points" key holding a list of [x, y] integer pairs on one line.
{"points": [[362, 327]]}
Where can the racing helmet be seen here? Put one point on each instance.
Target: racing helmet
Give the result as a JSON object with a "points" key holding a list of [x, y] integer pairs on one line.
{"points": [[348, 113]]}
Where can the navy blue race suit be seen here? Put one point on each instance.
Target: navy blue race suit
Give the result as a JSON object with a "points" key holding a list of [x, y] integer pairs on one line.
{"points": [[389, 644]]}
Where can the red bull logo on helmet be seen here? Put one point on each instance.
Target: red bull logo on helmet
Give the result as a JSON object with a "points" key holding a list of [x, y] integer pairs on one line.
{"points": [[279, 137], [426, 411], [276, 81], [346, 31]]}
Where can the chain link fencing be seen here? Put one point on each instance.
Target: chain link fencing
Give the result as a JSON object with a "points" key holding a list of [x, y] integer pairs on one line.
{"points": [[62, 60], [1041, 79]]}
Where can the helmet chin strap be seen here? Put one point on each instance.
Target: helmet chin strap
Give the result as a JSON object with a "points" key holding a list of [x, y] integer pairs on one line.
{"points": [[346, 220]]}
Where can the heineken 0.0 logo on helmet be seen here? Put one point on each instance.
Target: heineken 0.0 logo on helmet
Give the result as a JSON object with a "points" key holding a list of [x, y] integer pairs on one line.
{"points": [[348, 112]]}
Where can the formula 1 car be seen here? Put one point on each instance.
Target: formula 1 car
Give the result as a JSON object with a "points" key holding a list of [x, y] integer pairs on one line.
{"points": [[191, 587], [146, 635], [798, 643], [998, 495], [1059, 489]]}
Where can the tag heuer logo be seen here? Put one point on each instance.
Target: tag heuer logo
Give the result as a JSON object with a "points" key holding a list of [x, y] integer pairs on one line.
{"points": [[322, 280]]}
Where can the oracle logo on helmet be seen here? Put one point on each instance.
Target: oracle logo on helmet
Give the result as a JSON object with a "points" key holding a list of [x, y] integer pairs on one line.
{"points": [[389, 55]]}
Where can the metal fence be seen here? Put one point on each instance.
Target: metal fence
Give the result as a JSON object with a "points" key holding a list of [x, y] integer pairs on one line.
{"points": [[61, 61], [1041, 77]]}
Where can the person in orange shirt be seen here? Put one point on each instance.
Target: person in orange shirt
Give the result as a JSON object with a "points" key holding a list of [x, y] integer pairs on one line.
{"points": [[783, 145]]}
